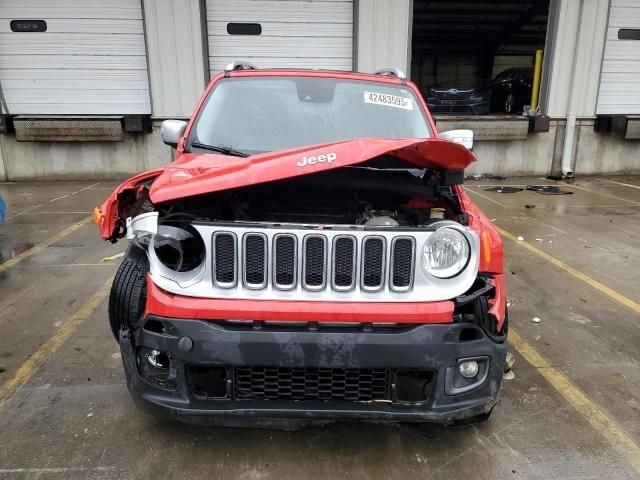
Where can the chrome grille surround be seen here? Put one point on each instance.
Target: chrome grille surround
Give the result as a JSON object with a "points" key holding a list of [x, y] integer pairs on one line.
{"points": [[287, 280]]}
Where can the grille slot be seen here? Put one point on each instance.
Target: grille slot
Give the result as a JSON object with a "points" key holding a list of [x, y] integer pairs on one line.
{"points": [[255, 260], [315, 253], [373, 261], [284, 262], [402, 263], [344, 263], [271, 383], [224, 260]]}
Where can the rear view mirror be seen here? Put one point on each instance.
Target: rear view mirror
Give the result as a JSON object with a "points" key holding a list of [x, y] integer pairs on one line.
{"points": [[171, 131], [463, 137]]}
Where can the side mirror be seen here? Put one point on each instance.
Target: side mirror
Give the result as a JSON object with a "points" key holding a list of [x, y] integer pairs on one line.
{"points": [[171, 131], [463, 137]]}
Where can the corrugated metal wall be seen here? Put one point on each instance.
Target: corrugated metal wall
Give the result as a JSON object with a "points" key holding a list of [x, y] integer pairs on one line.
{"points": [[575, 57], [176, 66], [384, 34], [307, 34], [91, 59], [620, 79]]}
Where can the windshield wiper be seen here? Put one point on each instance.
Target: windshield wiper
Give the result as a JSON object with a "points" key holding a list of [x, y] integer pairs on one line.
{"points": [[219, 148]]}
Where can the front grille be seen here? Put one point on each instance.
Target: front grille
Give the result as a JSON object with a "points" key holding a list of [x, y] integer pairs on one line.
{"points": [[284, 265], [402, 263], [255, 260], [271, 383], [373, 263], [344, 263], [313, 261], [224, 259]]}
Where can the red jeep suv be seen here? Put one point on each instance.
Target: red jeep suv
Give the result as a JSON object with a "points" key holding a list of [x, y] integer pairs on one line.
{"points": [[310, 255]]}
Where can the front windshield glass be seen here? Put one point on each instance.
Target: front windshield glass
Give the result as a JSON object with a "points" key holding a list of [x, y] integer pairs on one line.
{"points": [[254, 115]]}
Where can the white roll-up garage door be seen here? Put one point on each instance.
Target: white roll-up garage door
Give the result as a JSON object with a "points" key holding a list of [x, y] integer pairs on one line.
{"points": [[91, 59], [620, 79], [281, 33]]}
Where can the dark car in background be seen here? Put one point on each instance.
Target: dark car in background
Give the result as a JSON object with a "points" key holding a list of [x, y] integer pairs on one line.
{"points": [[511, 90], [508, 92], [469, 101]]}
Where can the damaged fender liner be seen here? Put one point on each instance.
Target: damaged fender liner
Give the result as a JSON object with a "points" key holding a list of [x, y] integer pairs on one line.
{"points": [[160, 302]]}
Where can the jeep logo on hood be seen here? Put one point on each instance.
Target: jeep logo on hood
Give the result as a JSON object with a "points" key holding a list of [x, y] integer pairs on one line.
{"points": [[328, 158]]}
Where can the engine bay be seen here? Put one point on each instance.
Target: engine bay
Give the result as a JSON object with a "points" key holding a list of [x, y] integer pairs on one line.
{"points": [[351, 196]]}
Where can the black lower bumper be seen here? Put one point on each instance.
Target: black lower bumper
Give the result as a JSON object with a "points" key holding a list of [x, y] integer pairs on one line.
{"points": [[432, 348]]}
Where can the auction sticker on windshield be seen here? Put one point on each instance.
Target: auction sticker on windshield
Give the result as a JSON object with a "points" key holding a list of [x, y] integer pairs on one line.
{"points": [[388, 100]]}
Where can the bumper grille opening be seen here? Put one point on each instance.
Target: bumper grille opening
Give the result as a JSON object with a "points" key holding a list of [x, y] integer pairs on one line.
{"points": [[208, 381], [413, 386], [300, 383]]}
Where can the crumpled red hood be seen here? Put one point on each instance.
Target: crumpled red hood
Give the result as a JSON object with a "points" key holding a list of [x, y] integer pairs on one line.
{"points": [[195, 174]]}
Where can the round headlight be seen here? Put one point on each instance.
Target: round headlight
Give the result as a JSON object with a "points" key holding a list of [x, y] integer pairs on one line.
{"points": [[179, 248], [445, 253]]}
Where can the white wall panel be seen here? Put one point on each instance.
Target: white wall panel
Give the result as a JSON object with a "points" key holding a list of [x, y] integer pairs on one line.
{"points": [[578, 49], [620, 78], [295, 33], [384, 34], [176, 62], [90, 61]]}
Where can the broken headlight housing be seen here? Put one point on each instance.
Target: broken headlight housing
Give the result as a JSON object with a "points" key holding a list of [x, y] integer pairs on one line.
{"points": [[178, 246], [445, 253]]}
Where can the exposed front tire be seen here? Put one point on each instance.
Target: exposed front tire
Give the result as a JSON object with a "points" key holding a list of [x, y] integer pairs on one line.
{"points": [[128, 295]]}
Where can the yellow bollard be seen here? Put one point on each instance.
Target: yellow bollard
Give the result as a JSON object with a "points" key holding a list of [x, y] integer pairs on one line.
{"points": [[537, 73]]}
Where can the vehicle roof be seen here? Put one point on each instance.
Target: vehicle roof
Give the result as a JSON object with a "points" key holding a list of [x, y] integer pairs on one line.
{"points": [[308, 72]]}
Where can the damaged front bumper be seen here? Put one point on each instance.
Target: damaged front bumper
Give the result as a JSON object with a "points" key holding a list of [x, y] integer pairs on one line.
{"points": [[226, 373]]}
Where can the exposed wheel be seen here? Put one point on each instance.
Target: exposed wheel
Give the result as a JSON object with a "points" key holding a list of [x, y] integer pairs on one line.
{"points": [[129, 291], [508, 103]]}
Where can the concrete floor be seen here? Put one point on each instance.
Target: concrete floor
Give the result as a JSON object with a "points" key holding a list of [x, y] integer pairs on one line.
{"points": [[73, 417]]}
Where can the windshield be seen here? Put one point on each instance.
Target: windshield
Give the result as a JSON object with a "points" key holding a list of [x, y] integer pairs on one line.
{"points": [[254, 115]]}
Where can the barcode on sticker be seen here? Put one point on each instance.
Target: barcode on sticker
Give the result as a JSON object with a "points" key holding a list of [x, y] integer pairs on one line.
{"points": [[388, 100]]}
